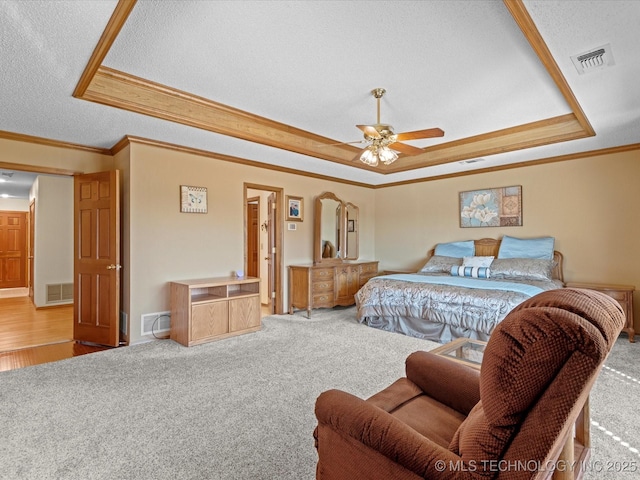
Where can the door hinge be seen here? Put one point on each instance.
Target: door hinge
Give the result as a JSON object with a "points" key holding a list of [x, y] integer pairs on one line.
{"points": [[273, 294]]}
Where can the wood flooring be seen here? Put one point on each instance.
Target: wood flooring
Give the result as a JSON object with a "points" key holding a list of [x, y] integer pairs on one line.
{"points": [[29, 336]]}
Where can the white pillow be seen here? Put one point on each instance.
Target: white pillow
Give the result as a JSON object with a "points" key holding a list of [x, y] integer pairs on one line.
{"points": [[477, 261]]}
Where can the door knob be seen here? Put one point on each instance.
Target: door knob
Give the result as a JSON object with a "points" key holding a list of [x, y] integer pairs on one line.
{"points": [[114, 267]]}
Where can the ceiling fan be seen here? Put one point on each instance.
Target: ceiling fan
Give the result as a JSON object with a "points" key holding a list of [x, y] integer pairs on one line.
{"points": [[383, 141]]}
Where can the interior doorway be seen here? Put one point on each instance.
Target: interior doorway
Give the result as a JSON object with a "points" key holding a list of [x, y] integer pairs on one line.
{"points": [[263, 234]]}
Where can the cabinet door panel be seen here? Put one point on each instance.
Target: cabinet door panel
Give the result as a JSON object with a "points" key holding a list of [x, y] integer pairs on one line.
{"points": [[209, 320], [244, 313]]}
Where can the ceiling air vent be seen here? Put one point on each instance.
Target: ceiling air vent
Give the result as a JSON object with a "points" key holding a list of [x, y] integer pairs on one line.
{"points": [[595, 59], [472, 160]]}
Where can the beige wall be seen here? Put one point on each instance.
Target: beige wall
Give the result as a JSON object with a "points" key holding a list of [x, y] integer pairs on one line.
{"points": [[588, 205], [167, 245], [34, 155]]}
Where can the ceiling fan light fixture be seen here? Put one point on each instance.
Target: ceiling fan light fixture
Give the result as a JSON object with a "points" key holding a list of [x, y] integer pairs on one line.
{"points": [[387, 156], [375, 153], [369, 156]]}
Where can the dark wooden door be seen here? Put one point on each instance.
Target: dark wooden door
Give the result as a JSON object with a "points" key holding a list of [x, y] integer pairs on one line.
{"points": [[13, 249], [97, 258], [253, 217]]}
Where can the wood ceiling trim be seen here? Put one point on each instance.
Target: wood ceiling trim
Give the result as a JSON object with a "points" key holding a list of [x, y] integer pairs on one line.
{"points": [[21, 137], [557, 129], [118, 89], [111, 31], [528, 163], [532, 34], [121, 90], [35, 169]]}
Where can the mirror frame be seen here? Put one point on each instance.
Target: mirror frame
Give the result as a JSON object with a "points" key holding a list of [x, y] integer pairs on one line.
{"points": [[352, 254], [317, 218]]}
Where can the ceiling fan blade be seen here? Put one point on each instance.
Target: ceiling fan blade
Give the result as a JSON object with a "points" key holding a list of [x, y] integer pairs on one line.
{"points": [[339, 143], [369, 130], [406, 149], [417, 134]]}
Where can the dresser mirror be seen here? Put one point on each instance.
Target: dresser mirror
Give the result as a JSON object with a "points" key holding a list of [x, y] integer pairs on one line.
{"points": [[336, 230], [351, 232]]}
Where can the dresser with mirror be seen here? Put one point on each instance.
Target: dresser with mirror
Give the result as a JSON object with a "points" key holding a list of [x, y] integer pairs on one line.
{"points": [[336, 273]]}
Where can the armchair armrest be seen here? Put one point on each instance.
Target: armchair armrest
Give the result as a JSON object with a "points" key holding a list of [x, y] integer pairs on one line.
{"points": [[373, 427], [450, 383]]}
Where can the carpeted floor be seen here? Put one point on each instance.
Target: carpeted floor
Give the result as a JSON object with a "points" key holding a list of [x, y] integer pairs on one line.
{"points": [[240, 408]]}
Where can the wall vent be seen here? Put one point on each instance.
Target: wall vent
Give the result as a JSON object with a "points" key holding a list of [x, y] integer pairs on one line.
{"points": [[154, 323], [595, 59], [60, 292]]}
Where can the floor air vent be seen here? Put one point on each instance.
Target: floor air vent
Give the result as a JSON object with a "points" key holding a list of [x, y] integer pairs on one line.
{"points": [[154, 323], [59, 292]]}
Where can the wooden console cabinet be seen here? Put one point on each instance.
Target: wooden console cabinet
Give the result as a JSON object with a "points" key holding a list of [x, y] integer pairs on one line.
{"points": [[209, 309], [622, 293], [316, 286]]}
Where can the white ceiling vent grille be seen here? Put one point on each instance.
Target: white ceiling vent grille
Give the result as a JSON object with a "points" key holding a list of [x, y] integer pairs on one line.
{"points": [[472, 160], [593, 60]]}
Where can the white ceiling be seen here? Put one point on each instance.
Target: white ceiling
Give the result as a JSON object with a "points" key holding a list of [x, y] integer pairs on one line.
{"points": [[463, 66]]}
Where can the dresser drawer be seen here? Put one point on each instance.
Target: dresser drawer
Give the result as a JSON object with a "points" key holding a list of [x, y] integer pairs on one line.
{"points": [[323, 300], [322, 274], [322, 286]]}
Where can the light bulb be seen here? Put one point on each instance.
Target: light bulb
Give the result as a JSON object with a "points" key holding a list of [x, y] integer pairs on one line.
{"points": [[369, 157]]}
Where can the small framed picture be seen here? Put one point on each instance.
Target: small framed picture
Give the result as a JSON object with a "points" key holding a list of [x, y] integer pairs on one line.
{"points": [[351, 225], [193, 199], [295, 209]]}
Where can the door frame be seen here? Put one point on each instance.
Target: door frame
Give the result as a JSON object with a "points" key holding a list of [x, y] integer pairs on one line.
{"points": [[51, 171], [278, 265], [252, 201]]}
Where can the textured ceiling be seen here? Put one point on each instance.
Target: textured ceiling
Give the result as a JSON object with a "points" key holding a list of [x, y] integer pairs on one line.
{"points": [[463, 66]]}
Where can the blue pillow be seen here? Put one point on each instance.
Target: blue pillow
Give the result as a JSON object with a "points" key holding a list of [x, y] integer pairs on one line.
{"points": [[456, 249], [474, 272], [512, 247]]}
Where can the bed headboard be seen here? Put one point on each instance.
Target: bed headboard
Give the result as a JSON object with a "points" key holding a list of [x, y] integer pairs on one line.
{"points": [[487, 247]]}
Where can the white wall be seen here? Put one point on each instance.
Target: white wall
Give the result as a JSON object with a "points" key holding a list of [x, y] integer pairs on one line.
{"points": [[53, 249], [14, 204]]}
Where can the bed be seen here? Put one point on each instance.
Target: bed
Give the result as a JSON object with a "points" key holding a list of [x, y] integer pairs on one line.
{"points": [[436, 304]]}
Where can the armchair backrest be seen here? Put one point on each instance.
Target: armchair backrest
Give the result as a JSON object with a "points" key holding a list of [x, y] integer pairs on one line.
{"points": [[537, 371]]}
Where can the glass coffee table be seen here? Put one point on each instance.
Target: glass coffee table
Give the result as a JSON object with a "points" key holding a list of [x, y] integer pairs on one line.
{"points": [[463, 350]]}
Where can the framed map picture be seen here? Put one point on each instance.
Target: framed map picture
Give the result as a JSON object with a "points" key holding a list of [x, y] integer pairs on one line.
{"points": [[491, 207], [193, 199]]}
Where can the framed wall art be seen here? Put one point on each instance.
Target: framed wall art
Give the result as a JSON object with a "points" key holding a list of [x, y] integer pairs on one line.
{"points": [[491, 207], [193, 199], [295, 209]]}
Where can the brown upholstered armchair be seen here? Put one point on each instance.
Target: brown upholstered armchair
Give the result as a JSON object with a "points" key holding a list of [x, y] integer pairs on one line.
{"points": [[511, 420]]}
